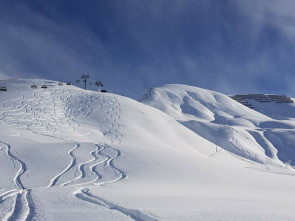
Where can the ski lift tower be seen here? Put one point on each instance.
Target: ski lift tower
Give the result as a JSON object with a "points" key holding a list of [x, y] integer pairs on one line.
{"points": [[99, 84], [85, 77]]}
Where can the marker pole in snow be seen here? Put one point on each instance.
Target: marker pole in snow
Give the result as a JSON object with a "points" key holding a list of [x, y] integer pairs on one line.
{"points": [[85, 77]]}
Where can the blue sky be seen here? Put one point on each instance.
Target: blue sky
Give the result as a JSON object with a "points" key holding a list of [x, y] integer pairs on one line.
{"points": [[230, 46]]}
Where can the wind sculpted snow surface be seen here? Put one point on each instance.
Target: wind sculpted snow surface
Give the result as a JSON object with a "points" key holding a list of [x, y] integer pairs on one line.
{"points": [[70, 154]]}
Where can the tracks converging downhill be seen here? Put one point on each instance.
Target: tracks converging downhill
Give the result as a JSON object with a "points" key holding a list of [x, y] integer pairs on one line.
{"points": [[97, 169], [23, 207], [59, 114]]}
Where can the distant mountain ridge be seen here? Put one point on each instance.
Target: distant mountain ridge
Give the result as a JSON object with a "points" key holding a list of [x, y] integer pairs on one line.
{"points": [[263, 103]]}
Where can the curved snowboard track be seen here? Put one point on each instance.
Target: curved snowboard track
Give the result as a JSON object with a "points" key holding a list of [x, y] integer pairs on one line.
{"points": [[23, 207], [23, 168], [71, 165], [102, 156], [86, 195], [110, 162]]}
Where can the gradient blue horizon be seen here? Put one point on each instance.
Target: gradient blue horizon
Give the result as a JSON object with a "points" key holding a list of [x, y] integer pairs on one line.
{"points": [[228, 46]]}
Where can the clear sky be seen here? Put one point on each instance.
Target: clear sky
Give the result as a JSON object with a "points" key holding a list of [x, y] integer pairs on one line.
{"points": [[230, 46]]}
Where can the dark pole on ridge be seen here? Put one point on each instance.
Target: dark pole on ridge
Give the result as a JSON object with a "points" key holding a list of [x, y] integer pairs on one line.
{"points": [[85, 80], [99, 84]]}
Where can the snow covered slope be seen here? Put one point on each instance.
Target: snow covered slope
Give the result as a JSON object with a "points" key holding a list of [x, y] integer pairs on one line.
{"points": [[70, 154], [231, 125]]}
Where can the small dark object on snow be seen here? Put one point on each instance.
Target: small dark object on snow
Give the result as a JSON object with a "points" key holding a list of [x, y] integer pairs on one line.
{"points": [[44, 86], [69, 83], [34, 86], [103, 91], [60, 84], [3, 88]]}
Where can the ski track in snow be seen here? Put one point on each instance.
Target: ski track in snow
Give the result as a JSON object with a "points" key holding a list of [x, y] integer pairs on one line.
{"points": [[110, 163], [49, 113], [8, 194], [23, 207], [112, 117], [86, 195], [71, 164], [240, 151], [99, 159], [22, 167]]}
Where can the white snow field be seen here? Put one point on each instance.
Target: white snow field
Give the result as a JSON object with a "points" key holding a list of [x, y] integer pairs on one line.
{"points": [[71, 154]]}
